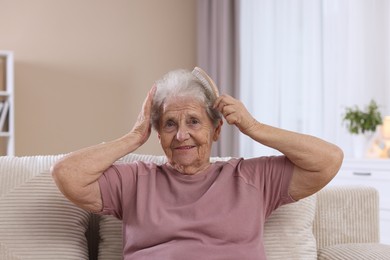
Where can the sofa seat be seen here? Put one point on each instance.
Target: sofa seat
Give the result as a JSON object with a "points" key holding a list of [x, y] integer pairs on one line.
{"points": [[357, 251]]}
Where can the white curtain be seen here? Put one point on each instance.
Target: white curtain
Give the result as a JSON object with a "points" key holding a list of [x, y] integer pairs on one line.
{"points": [[303, 61]]}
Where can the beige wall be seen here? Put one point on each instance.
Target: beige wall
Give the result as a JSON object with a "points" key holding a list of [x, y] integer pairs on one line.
{"points": [[83, 68]]}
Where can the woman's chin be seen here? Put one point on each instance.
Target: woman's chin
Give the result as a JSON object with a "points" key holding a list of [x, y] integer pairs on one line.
{"points": [[183, 162]]}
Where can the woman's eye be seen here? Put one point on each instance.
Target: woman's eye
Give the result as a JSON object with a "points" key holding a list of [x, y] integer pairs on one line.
{"points": [[194, 121], [169, 124]]}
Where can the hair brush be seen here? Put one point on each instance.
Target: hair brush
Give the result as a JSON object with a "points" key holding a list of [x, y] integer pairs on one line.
{"points": [[205, 80]]}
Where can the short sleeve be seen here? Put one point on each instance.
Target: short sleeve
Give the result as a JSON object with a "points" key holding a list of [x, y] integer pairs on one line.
{"points": [[112, 183], [272, 176]]}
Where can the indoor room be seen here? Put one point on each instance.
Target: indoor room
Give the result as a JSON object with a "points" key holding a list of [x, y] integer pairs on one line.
{"points": [[292, 96]]}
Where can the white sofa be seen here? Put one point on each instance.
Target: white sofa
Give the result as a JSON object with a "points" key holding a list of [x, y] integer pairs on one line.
{"points": [[37, 222]]}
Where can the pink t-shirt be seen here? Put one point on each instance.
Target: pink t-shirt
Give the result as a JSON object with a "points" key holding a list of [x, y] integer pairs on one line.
{"points": [[216, 214]]}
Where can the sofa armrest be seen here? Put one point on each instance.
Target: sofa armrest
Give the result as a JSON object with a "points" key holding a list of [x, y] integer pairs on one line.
{"points": [[346, 214]]}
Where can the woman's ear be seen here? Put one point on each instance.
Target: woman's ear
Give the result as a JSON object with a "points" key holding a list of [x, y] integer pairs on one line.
{"points": [[217, 130]]}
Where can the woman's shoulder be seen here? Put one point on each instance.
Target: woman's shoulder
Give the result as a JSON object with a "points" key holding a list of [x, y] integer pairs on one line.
{"points": [[253, 164], [226, 161], [135, 167]]}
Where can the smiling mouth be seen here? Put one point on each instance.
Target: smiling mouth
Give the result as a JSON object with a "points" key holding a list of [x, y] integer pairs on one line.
{"points": [[186, 147]]}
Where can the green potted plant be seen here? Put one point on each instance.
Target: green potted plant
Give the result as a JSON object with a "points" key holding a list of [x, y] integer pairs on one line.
{"points": [[362, 125], [362, 121]]}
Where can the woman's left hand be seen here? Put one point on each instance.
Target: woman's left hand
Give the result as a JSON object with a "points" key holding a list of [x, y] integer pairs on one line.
{"points": [[235, 113]]}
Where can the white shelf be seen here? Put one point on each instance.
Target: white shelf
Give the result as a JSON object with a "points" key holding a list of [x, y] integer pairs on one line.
{"points": [[7, 134], [4, 134]]}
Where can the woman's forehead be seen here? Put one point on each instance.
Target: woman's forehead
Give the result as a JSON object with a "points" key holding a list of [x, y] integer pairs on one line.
{"points": [[183, 101], [183, 104]]}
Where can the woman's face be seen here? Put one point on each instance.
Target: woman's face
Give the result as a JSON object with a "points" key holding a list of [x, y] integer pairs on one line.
{"points": [[186, 134]]}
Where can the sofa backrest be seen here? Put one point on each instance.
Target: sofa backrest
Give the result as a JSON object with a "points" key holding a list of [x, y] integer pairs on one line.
{"points": [[36, 221], [346, 214]]}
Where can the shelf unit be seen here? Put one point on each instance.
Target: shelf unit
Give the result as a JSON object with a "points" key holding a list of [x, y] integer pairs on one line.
{"points": [[7, 132]]}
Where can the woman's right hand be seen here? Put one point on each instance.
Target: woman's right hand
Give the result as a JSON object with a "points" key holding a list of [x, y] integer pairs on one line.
{"points": [[142, 127], [77, 173]]}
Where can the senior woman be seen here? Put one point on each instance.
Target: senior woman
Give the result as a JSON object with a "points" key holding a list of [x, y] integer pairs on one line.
{"points": [[190, 208]]}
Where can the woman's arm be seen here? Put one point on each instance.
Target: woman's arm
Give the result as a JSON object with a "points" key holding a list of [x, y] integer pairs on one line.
{"points": [[316, 161], [77, 174]]}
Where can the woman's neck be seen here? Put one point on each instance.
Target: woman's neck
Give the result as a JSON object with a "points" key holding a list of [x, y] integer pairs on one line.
{"points": [[190, 169]]}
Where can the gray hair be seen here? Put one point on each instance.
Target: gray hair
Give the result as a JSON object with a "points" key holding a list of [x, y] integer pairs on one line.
{"points": [[182, 83]]}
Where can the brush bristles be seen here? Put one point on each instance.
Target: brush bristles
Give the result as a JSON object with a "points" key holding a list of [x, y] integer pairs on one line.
{"points": [[205, 80]]}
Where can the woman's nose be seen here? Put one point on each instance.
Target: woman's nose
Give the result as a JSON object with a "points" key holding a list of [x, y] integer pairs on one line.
{"points": [[182, 134]]}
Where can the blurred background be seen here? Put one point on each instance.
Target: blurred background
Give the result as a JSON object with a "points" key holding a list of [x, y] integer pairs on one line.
{"points": [[83, 68]]}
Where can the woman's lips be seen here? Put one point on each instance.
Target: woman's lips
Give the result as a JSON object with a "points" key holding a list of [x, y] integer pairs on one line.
{"points": [[185, 147]]}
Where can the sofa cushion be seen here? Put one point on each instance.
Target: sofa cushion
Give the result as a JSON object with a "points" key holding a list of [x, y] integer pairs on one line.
{"points": [[288, 231], [36, 220], [356, 251], [111, 244], [346, 215]]}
